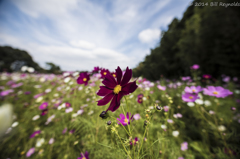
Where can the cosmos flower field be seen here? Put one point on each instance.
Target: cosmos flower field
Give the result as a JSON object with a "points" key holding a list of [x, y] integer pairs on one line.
{"points": [[111, 115]]}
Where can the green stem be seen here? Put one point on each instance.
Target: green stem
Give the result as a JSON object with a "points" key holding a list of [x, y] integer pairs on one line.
{"points": [[122, 125], [123, 145]]}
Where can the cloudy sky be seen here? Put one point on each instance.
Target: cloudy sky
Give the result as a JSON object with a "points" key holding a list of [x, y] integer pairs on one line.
{"points": [[81, 34]]}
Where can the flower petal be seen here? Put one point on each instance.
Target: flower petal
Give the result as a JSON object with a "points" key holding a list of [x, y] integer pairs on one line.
{"points": [[109, 81], [127, 76], [119, 75], [129, 88], [104, 91], [115, 102], [80, 80], [106, 99]]}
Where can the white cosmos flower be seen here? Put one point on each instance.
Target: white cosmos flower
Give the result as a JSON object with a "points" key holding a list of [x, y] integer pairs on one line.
{"points": [[42, 79], [199, 101], [79, 112], [40, 142], [6, 116], [66, 80], [151, 107], [30, 69], [24, 68], [74, 115], [221, 128], [39, 99], [36, 117], [163, 126], [15, 124], [75, 74], [144, 98], [175, 133], [190, 104], [211, 112], [48, 90], [207, 103], [91, 112]]}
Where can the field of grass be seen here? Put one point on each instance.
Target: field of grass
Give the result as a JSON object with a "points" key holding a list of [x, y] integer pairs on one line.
{"points": [[53, 117]]}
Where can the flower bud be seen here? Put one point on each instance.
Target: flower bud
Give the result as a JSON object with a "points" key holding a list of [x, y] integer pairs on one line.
{"points": [[109, 122], [104, 115]]}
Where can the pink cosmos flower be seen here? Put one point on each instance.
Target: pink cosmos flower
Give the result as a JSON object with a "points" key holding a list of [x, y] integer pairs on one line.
{"points": [[125, 120], [195, 67], [170, 121], [184, 146], [166, 108], [5, 93], [51, 141], [30, 152], [162, 88], [38, 95], [187, 97], [193, 89], [116, 88], [64, 131], [136, 116], [16, 85], [218, 91], [83, 78], [43, 106], [186, 78]]}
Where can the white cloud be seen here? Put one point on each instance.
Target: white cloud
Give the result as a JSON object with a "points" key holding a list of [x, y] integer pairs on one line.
{"points": [[149, 35], [81, 34], [83, 44]]}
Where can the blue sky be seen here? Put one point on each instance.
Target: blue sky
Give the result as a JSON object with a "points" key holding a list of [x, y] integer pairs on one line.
{"points": [[81, 34]]}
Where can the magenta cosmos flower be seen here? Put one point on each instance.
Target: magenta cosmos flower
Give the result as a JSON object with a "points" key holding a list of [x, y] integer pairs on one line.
{"points": [[43, 106], [30, 152], [135, 141], [84, 156], [193, 89], [187, 97], [114, 89], [195, 67], [218, 91], [35, 133], [124, 120], [83, 78], [206, 76], [104, 72]]}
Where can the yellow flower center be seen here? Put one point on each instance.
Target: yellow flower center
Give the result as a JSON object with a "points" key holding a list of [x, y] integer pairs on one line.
{"points": [[105, 73], [83, 158], [193, 90], [117, 89], [126, 121], [215, 92], [190, 97], [84, 79], [114, 75]]}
